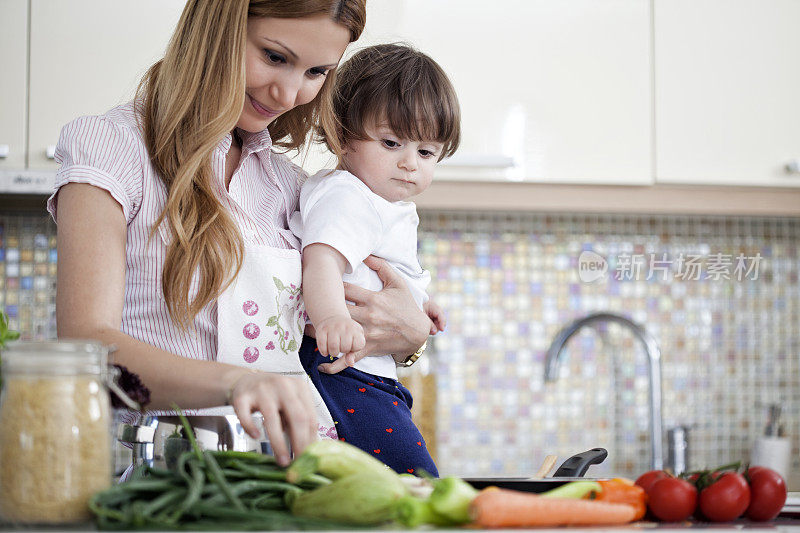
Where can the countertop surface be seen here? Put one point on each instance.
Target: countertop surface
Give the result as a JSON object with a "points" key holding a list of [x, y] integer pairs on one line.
{"points": [[782, 523]]}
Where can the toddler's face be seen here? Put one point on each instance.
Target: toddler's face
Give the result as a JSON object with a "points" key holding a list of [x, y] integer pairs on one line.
{"points": [[393, 168]]}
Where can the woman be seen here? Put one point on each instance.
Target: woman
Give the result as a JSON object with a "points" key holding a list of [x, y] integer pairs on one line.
{"points": [[172, 214]]}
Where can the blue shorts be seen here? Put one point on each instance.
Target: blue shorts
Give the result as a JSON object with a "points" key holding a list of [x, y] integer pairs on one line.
{"points": [[370, 412]]}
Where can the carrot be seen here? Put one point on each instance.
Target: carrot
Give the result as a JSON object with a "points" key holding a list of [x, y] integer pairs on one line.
{"points": [[494, 507], [620, 490]]}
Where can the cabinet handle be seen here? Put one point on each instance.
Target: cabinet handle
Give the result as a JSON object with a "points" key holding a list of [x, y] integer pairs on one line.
{"points": [[4, 151], [50, 152], [793, 166]]}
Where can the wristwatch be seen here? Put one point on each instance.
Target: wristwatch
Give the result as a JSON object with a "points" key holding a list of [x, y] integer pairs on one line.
{"points": [[411, 359]]}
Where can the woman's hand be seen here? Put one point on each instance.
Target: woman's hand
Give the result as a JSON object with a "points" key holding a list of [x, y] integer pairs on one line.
{"points": [[392, 321], [286, 405]]}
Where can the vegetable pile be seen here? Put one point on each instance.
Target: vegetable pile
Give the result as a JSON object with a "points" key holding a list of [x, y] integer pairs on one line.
{"points": [[718, 495], [215, 490], [330, 485], [333, 484]]}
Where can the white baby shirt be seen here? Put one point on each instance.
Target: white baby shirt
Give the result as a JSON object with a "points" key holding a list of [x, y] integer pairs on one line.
{"points": [[338, 209]]}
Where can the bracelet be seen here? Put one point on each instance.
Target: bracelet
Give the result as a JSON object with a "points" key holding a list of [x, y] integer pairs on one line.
{"points": [[411, 359], [229, 392]]}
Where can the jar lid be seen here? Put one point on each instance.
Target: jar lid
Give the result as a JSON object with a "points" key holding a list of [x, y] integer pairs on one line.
{"points": [[63, 357]]}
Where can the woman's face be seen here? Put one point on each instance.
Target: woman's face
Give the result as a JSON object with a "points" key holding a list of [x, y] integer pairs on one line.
{"points": [[286, 62]]}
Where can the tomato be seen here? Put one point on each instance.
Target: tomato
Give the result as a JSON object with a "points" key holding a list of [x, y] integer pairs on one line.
{"points": [[647, 479], [672, 499], [726, 498], [767, 493]]}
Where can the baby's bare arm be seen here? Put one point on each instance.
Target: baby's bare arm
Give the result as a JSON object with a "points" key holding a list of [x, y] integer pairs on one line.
{"points": [[323, 293]]}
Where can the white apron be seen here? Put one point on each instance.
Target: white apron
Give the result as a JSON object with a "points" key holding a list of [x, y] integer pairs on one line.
{"points": [[261, 318]]}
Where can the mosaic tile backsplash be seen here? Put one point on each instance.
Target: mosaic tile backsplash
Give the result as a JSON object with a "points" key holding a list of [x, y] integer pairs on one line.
{"points": [[28, 274], [720, 294]]}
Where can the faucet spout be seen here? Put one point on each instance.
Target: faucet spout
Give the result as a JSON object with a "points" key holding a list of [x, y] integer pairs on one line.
{"points": [[553, 359]]}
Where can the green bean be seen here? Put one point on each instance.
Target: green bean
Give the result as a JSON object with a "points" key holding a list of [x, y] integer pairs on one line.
{"points": [[196, 486], [101, 511], [267, 501], [232, 473], [189, 433], [166, 499], [159, 472], [258, 472], [243, 487], [265, 519], [219, 478], [180, 465], [254, 457]]}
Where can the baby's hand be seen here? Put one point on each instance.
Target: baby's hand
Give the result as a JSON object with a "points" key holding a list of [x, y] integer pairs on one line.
{"points": [[339, 334], [436, 314]]}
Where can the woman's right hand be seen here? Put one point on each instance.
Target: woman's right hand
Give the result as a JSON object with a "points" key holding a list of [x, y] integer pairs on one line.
{"points": [[286, 406]]}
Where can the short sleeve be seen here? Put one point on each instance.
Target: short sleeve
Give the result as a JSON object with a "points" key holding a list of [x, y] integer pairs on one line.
{"points": [[340, 214], [103, 153]]}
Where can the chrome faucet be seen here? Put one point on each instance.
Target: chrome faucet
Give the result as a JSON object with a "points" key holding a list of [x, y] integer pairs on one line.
{"points": [[552, 361]]}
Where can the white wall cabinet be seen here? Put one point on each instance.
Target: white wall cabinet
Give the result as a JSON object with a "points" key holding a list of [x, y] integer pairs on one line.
{"points": [[624, 92], [87, 56], [727, 79], [561, 88], [13, 82]]}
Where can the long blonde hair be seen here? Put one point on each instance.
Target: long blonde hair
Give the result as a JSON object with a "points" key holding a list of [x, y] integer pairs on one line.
{"points": [[190, 100]]}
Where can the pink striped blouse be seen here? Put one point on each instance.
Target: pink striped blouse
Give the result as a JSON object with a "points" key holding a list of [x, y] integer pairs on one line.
{"points": [[108, 151]]}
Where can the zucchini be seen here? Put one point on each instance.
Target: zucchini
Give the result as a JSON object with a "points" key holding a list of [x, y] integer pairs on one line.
{"points": [[364, 498], [333, 459]]}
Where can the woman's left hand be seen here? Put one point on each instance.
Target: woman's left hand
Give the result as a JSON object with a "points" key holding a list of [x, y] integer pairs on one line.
{"points": [[392, 321]]}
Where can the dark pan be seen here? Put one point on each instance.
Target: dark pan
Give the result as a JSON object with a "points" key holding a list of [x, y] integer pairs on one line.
{"points": [[572, 469]]}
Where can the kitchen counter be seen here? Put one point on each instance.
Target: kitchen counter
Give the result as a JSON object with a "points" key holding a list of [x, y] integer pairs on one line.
{"points": [[782, 523]]}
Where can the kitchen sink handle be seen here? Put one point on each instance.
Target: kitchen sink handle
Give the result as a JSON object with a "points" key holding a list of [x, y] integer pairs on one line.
{"points": [[578, 464]]}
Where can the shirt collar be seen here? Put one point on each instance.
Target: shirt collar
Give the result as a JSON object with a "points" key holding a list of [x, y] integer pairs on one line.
{"points": [[225, 143], [255, 142], [251, 142]]}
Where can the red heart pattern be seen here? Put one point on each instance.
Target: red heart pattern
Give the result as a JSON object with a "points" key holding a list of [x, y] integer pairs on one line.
{"points": [[389, 430]]}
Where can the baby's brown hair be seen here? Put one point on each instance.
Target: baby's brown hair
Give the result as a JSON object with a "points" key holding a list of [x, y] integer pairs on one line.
{"points": [[401, 86]]}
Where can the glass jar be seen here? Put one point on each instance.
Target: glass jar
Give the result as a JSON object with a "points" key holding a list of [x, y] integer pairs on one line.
{"points": [[55, 445]]}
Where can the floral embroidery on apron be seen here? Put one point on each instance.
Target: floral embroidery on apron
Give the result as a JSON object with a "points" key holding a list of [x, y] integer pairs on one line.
{"points": [[261, 318]]}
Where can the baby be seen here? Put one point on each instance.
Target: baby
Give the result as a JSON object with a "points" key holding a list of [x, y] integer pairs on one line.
{"points": [[398, 117]]}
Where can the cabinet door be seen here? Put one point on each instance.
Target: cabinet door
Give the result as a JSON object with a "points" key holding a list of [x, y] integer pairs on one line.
{"points": [[727, 83], [560, 87], [86, 56], [13, 82]]}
